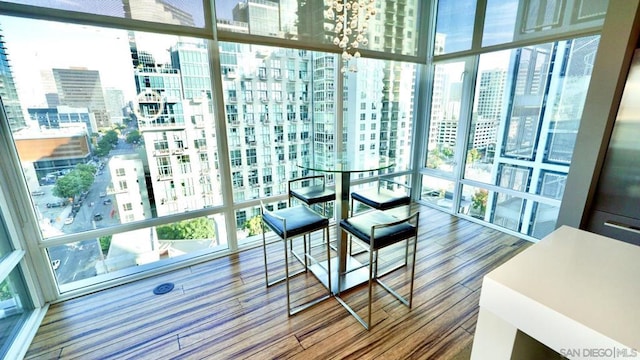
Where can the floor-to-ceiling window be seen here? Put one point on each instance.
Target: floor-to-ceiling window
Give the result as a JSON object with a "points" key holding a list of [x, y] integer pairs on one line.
{"points": [[148, 132], [504, 116], [147, 141]]}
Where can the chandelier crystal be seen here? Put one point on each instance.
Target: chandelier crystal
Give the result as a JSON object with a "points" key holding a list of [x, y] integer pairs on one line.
{"points": [[350, 17]]}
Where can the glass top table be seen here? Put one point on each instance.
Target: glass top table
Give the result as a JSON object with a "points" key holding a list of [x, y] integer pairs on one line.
{"points": [[343, 183]]}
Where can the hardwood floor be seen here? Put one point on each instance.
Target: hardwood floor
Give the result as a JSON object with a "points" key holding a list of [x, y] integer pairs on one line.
{"points": [[221, 309]]}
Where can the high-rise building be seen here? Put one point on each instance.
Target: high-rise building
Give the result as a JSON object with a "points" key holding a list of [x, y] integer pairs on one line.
{"points": [[263, 16], [114, 99], [8, 92], [175, 118], [49, 88], [62, 117], [81, 87], [192, 59], [381, 123], [491, 94], [158, 11]]}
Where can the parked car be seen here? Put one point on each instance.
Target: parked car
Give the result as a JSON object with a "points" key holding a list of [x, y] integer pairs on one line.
{"points": [[106, 201], [103, 194], [68, 220], [55, 204], [37, 193], [55, 264], [97, 217]]}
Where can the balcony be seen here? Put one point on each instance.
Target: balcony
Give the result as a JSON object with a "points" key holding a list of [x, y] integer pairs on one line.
{"points": [[160, 124], [161, 152]]}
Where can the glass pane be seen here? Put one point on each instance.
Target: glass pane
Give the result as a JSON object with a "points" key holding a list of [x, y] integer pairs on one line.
{"points": [[87, 262], [514, 177], [567, 96], [15, 307], [454, 25], [391, 26], [5, 243], [249, 222], [271, 115], [476, 199], [507, 211], [437, 191], [527, 109], [499, 22], [543, 220], [445, 115], [552, 184], [378, 113], [120, 128], [177, 12], [514, 20], [532, 68]]}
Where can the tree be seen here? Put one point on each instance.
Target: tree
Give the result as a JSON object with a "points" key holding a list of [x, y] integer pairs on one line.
{"points": [[133, 137], [105, 243], [103, 148], [86, 168], [74, 183], [479, 201], [253, 225], [473, 155], [5, 292], [447, 152], [201, 228]]}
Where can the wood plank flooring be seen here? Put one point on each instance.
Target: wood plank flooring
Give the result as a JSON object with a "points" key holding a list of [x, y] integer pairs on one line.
{"points": [[221, 309]]}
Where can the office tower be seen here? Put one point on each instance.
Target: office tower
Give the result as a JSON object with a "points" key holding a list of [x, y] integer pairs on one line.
{"points": [[49, 88], [8, 92], [114, 99], [158, 11], [63, 117], [262, 16], [80, 87]]}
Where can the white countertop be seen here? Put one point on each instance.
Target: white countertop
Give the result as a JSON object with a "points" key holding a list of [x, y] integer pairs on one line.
{"points": [[573, 289]]}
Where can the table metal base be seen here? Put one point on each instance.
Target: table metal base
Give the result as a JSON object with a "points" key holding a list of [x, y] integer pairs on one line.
{"points": [[350, 280]]}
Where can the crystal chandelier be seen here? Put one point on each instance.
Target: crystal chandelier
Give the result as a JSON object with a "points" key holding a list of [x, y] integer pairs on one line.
{"points": [[350, 18]]}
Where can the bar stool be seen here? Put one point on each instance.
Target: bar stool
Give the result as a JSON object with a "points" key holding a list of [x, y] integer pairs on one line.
{"points": [[387, 195], [384, 197], [311, 190], [377, 230], [288, 224]]}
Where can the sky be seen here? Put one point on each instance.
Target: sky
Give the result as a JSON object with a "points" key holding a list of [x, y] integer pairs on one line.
{"points": [[50, 45]]}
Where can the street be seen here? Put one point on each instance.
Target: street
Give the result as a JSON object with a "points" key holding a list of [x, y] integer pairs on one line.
{"points": [[76, 260]]}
